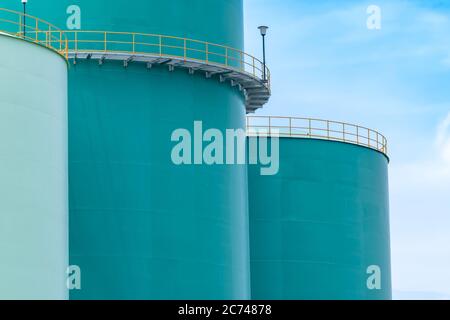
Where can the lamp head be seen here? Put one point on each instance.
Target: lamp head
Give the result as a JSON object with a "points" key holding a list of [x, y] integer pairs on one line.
{"points": [[263, 30]]}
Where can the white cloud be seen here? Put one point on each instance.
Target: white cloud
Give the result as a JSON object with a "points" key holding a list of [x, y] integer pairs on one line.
{"points": [[420, 220], [443, 139]]}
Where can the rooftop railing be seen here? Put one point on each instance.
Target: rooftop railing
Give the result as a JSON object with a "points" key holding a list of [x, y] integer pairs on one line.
{"points": [[133, 43], [34, 30], [316, 129], [250, 74], [185, 49]]}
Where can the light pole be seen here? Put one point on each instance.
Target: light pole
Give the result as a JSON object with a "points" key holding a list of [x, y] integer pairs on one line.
{"points": [[263, 30], [24, 17]]}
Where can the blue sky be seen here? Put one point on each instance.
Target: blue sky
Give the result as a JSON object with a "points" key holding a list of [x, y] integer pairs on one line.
{"points": [[326, 63]]}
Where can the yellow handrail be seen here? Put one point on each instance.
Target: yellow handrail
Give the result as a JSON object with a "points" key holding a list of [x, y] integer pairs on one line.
{"points": [[34, 30], [293, 127], [135, 43]]}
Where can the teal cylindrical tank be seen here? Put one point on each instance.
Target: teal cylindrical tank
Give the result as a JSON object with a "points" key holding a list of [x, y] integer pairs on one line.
{"points": [[319, 229], [33, 171], [216, 21], [140, 226]]}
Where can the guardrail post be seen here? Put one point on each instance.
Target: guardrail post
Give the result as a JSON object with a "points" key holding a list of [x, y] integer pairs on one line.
{"points": [[357, 134], [105, 42], [378, 144], [207, 52], [328, 130], [20, 25], [290, 127], [160, 46], [270, 126], [185, 50], [36, 30], [226, 56], [48, 36], [134, 42], [254, 67]]}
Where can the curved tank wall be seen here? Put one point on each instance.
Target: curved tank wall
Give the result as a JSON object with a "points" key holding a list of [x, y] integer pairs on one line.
{"points": [[216, 21], [317, 226], [33, 172], [141, 227]]}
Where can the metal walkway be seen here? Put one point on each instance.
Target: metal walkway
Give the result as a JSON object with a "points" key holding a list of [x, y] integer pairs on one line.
{"points": [[227, 64], [256, 91]]}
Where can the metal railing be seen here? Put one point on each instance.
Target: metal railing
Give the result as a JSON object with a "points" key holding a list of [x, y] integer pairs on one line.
{"points": [[316, 129], [34, 30], [132, 43], [186, 49]]}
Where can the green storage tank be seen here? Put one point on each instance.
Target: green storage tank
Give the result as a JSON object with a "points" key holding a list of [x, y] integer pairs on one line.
{"points": [[140, 226], [33, 170], [319, 229]]}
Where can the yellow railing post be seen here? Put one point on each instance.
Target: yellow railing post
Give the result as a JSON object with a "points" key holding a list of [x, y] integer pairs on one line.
{"points": [[49, 36], [105, 42], [378, 144], [270, 126], [20, 25], [357, 134], [160, 46], [254, 67], [134, 42], [290, 126], [185, 50], [37, 30], [226, 56], [328, 130]]}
